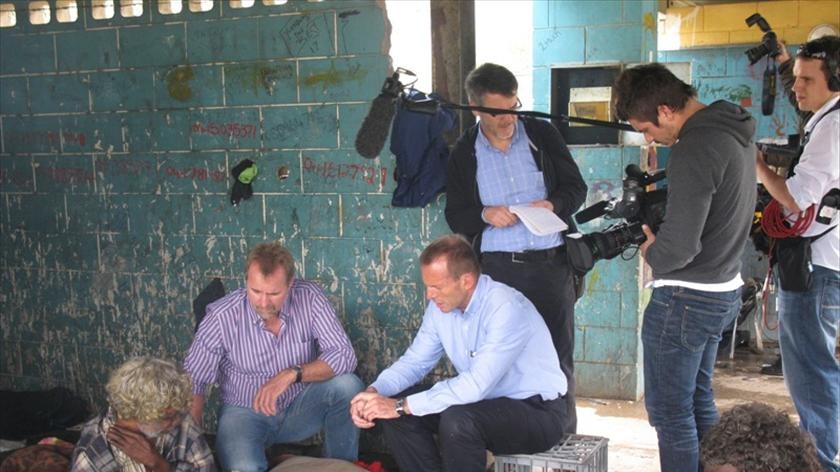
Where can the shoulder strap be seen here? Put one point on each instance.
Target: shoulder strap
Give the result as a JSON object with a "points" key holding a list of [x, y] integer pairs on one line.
{"points": [[807, 138], [814, 238]]}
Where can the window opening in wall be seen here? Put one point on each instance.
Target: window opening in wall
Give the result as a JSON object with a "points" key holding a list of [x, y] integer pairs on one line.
{"points": [[270, 3], [39, 12], [131, 8], [412, 47], [241, 3], [66, 11], [102, 9], [8, 18], [200, 6], [170, 7]]}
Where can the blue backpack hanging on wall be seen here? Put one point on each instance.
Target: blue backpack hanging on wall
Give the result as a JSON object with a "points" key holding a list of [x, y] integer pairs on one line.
{"points": [[422, 153]]}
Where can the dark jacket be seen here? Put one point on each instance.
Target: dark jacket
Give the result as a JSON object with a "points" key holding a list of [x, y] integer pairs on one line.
{"points": [[565, 185], [711, 197]]}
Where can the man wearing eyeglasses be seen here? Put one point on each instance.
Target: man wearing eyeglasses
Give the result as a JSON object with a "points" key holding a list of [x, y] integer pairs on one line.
{"points": [[808, 320], [503, 161]]}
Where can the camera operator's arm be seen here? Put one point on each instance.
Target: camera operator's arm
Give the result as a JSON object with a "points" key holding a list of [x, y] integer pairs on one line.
{"points": [[786, 75], [691, 185], [774, 183]]}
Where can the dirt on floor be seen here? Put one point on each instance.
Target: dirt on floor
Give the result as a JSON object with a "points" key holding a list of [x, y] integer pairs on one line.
{"points": [[632, 441]]}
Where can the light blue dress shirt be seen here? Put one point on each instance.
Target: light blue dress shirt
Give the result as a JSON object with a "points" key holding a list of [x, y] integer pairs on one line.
{"points": [[507, 178], [500, 347]]}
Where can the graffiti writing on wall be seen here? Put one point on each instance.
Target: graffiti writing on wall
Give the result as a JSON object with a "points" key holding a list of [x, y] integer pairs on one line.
{"points": [[47, 137], [371, 175], [236, 130], [195, 173], [69, 174]]}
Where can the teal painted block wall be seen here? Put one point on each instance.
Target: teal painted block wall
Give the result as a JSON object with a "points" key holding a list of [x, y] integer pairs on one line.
{"points": [[607, 318], [117, 141]]}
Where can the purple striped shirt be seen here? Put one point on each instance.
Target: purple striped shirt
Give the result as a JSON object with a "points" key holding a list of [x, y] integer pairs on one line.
{"points": [[233, 348]]}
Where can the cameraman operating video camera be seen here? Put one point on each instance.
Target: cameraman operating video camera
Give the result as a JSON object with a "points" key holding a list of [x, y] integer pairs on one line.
{"points": [[696, 253], [809, 300]]}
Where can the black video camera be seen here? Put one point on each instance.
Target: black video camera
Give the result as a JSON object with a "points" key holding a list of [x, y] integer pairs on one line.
{"points": [[635, 205], [769, 45]]}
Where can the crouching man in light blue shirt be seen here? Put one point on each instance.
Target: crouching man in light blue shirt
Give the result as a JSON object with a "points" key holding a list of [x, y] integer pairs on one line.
{"points": [[507, 396]]}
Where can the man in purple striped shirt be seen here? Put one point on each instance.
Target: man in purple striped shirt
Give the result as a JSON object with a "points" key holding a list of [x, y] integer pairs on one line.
{"points": [[282, 361]]}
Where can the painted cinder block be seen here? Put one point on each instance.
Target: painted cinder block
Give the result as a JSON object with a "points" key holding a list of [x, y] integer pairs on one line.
{"points": [[357, 78], [90, 214], [171, 130], [307, 35], [225, 128], [611, 345], [122, 90], [607, 381], [31, 134], [597, 308], [559, 46], [186, 86], [337, 260], [401, 261], [223, 40], [814, 12], [293, 216], [199, 259], [129, 253], [613, 43], [14, 96], [87, 50], [138, 129], [33, 53], [159, 45], [64, 254], [59, 93], [271, 165], [365, 216], [587, 13], [434, 219], [342, 171], [361, 30], [191, 173], [260, 83], [214, 214], [90, 133], [295, 127], [64, 174], [599, 163], [19, 250], [49, 217], [16, 175]]}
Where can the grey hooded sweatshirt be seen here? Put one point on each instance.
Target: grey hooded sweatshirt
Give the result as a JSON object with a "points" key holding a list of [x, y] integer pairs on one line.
{"points": [[711, 197]]}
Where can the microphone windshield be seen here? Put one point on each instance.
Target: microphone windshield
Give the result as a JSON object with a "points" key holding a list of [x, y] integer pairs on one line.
{"points": [[375, 127]]}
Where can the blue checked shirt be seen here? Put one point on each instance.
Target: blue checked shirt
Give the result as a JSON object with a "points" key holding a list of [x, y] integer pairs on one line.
{"points": [[506, 179]]}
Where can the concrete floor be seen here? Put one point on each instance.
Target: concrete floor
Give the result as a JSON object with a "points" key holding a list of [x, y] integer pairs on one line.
{"points": [[632, 441]]}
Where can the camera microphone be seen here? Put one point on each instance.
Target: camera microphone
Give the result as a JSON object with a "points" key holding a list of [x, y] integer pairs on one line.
{"points": [[375, 127], [593, 211]]}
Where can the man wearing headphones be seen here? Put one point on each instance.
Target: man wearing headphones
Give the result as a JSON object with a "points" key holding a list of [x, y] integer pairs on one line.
{"points": [[809, 318]]}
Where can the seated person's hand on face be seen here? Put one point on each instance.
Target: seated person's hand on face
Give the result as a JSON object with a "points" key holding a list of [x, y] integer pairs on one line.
{"points": [[135, 445]]}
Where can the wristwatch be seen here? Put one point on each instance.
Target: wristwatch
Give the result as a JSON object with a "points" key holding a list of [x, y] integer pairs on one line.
{"points": [[400, 407], [298, 373]]}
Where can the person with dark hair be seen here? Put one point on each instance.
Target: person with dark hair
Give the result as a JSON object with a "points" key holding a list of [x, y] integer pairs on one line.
{"points": [[283, 363], [504, 161], [809, 313], [757, 437], [508, 394], [146, 426], [695, 254]]}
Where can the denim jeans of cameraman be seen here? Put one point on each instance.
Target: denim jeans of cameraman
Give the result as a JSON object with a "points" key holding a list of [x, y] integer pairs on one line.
{"points": [[807, 332], [680, 335]]}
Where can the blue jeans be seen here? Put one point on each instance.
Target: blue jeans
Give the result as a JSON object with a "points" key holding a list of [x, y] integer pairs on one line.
{"points": [[243, 434], [680, 335], [807, 330]]}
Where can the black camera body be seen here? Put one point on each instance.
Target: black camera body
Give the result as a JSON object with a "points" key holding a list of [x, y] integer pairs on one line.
{"points": [[636, 206], [769, 45]]}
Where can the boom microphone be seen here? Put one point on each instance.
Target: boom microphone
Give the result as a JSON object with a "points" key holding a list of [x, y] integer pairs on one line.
{"points": [[374, 130]]}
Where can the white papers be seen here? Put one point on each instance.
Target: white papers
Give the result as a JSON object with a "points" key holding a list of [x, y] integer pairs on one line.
{"points": [[538, 220]]}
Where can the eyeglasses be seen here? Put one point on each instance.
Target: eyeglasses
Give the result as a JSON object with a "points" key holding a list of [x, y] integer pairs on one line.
{"points": [[516, 107]]}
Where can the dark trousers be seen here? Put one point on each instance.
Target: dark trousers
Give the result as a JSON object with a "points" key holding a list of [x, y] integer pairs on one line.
{"points": [[455, 440], [549, 285]]}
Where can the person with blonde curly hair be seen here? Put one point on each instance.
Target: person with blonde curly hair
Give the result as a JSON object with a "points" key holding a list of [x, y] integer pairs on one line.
{"points": [[757, 437], [146, 426]]}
